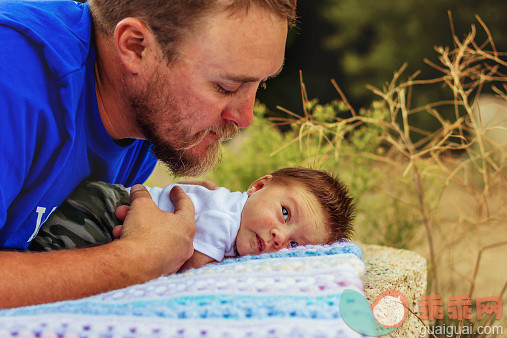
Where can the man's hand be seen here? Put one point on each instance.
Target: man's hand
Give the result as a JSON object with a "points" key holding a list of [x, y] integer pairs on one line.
{"points": [[152, 243], [121, 211], [163, 237]]}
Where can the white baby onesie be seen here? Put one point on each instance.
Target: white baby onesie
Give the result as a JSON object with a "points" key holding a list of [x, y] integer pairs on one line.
{"points": [[217, 217]]}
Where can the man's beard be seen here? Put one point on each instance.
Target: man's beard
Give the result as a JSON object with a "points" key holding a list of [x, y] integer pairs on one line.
{"points": [[177, 157]]}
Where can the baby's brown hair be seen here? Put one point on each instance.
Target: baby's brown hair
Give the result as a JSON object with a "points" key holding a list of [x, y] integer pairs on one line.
{"points": [[332, 195]]}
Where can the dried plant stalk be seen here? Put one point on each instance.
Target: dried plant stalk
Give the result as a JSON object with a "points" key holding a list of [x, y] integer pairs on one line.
{"points": [[466, 69]]}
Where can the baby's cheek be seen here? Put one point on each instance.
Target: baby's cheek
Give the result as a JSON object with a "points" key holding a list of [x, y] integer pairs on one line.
{"points": [[242, 243], [265, 223]]}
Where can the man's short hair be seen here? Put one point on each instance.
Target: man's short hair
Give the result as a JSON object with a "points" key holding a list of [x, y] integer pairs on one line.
{"points": [[170, 20], [332, 195]]}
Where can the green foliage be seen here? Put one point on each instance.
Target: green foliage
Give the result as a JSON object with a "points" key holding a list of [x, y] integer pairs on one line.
{"points": [[249, 156], [368, 138], [325, 113]]}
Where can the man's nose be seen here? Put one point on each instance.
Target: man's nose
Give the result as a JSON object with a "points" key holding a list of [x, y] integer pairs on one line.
{"points": [[240, 112]]}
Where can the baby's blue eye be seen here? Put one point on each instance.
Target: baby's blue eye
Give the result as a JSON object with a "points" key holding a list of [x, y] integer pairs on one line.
{"points": [[285, 213], [293, 244]]}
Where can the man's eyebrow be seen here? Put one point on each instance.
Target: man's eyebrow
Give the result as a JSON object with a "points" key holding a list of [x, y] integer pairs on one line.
{"points": [[275, 74], [246, 79]]}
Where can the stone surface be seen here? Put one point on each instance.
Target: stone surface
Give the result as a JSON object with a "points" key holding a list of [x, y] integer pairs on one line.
{"points": [[490, 112], [395, 269]]}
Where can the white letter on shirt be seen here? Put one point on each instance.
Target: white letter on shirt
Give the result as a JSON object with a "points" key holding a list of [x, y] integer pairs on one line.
{"points": [[40, 212]]}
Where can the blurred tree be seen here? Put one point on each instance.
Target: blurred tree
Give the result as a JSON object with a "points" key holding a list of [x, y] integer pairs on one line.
{"points": [[305, 51], [360, 42], [374, 38]]}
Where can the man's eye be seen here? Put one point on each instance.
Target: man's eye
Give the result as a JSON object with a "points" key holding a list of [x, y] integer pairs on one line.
{"points": [[285, 214], [222, 90], [293, 244]]}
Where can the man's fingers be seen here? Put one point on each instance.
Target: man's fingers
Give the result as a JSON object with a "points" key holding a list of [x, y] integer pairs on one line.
{"points": [[182, 203], [164, 236], [121, 212], [117, 231], [138, 191]]}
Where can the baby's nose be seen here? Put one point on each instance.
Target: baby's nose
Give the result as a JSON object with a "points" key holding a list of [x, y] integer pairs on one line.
{"points": [[279, 239]]}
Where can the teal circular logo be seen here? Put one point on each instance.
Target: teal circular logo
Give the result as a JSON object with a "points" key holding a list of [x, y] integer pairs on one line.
{"points": [[386, 314]]}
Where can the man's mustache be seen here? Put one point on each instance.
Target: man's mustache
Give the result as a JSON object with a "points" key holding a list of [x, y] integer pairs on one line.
{"points": [[224, 132]]}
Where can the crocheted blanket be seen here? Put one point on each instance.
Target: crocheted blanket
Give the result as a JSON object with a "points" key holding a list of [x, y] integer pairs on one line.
{"points": [[293, 292]]}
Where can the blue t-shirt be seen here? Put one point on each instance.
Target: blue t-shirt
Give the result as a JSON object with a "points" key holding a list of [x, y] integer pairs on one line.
{"points": [[51, 133]]}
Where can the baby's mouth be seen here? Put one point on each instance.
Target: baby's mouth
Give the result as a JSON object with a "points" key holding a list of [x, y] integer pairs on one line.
{"points": [[260, 243]]}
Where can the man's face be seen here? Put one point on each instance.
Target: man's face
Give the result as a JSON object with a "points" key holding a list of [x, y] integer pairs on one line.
{"points": [[208, 92], [278, 216]]}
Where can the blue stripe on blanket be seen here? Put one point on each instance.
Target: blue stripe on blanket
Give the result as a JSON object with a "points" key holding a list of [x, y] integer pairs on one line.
{"points": [[230, 307], [306, 251]]}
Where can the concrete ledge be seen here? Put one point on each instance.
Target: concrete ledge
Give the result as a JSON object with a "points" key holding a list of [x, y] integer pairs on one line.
{"points": [[395, 269]]}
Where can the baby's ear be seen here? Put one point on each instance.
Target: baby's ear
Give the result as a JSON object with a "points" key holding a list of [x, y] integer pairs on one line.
{"points": [[259, 184]]}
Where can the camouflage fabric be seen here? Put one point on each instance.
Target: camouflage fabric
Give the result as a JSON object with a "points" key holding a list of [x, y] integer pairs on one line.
{"points": [[86, 218]]}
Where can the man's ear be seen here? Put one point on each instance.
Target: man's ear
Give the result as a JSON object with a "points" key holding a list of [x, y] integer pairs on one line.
{"points": [[134, 41], [259, 184]]}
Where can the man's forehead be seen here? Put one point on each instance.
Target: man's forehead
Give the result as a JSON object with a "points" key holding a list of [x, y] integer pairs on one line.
{"points": [[240, 48]]}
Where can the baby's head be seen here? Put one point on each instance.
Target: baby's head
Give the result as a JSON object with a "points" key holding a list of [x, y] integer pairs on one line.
{"points": [[291, 207]]}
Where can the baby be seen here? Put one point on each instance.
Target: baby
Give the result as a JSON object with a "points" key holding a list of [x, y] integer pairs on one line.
{"points": [[287, 208]]}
